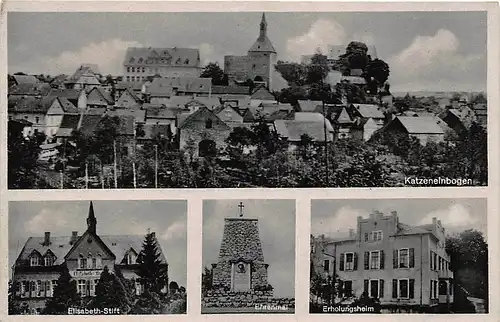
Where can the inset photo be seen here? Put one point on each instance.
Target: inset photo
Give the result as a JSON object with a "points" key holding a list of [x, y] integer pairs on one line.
{"points": [[248, 256], [97, 257], [399, 256]]}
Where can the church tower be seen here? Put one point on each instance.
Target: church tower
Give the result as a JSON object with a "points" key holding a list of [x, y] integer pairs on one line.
{"points": [[91, 220], [264, 51]]}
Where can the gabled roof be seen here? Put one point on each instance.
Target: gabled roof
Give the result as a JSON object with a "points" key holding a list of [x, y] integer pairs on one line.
{"points": [[369, 111], [182, 57], [293, 130], [262, 44], [38, 89], [67, 106], [102, 93], [201, 113], [135, 86], [89, 123], [29, 104], [262, 93], [420, 125], [309, 106], [25, 79]]}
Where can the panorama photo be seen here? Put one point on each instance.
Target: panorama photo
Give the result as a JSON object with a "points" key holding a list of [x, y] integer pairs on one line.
{"points": [[246, 99]]}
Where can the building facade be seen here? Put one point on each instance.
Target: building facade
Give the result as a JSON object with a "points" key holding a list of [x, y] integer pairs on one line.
{"points": [[38, 266], [398, 264], [140, 63], [257, 65]]}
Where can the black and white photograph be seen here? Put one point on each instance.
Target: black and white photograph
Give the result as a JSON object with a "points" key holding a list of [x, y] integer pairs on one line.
{"points": [[112, 100], [399, 256], [97, 257], [248, 257]]}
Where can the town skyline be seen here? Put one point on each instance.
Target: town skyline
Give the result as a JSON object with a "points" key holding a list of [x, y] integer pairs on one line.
{"points": [[168, 219], [433, 51]]}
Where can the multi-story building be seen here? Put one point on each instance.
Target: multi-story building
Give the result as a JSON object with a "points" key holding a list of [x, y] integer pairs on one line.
{"points": [[37, 268], [257, 65], [398, 264], [140, 63]]}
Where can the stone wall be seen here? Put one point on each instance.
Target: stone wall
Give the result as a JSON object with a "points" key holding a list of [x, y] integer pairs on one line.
{"points": [[221, 298]]}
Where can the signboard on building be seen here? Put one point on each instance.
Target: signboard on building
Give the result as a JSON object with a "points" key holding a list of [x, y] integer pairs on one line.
{"points": [[87, 273]]}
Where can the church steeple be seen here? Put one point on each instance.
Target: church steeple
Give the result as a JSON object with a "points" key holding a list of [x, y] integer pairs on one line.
{"points": [[91, 220], [263, 27]]}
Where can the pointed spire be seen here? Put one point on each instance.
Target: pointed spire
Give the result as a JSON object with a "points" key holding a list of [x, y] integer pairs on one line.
{"points": [[91, 220], [263, 27]]}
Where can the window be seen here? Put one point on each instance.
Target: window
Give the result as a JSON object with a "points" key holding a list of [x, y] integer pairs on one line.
{"points": [[92, 285], [435, 289], [48, 288], [128, 69], [326, 265], [128, 78], [377, 235], [374, 288], [403, 289], [375, 260], [186, 62], [208, 124], [98, 261], [49, 260], [404, 258], [83, 262], [434, 261], [349, 261], [133, 69], [81, 287], [34, 260], [37, 119], [131, 258], [366, 237], [94, 262], [32, 288], [138, 288]]}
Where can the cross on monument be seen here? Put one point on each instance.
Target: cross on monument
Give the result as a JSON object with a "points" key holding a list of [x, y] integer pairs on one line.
{"points": [[241, 206]]}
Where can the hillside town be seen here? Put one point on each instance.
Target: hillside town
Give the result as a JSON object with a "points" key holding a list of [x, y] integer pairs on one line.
{"points": [[169, 122]]}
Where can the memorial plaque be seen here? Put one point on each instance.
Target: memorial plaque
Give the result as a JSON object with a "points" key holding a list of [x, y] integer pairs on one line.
{"points": [[241, 277]]}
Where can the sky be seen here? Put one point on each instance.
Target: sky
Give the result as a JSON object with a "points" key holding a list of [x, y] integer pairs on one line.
{"points": [[334, 217], [426, 51], [276, 230], [166, 218]]}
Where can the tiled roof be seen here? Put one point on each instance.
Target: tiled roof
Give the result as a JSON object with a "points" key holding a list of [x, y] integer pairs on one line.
{"points": [[60, 246], [140, 56], [84, 75], [89, 123], [67, 106], [59, 80], [309, 117], [39, 89], [241, 90], [29, 104], [69, 122], [421, 125], [262, 44], [25, 79], [262, 93], [202, 110], [369, 111], [102, 93], [404, 229], [135, 86], [139, 115], [165, 86]]}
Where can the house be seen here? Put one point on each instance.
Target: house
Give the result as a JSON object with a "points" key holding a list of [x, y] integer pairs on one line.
{"points": [[58, 108], [204, 129], [58, 81], [402, 266], [38, 265], [135, 87], [371, 120], [85, 77], [424, 128], [139, 115], [310, 124], [143, 62], [344, 119], [97, 97], [27, 89], [128, 100], [164, 88], [153, 131], [29, 108], [481, 111], [21, 126], [162, 115]]}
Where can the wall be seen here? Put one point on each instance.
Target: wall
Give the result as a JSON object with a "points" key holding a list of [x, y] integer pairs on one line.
{"points": [[53, 119], [424, 138], [32, 117], [248, 67], [166, 71], [221, 298]]}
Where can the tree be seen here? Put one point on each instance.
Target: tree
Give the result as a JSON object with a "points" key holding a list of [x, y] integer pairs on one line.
{"points": [[293, 73], [104, 138], [23, 156], [110, 293], [378, 70], [469, 261], [153, 273], [65, 295], [206, 280], [213, 71], [173, 287], [14, 306]]}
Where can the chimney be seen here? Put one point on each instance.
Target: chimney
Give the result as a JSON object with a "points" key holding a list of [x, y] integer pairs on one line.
{"points": [[351, 232], [74, 237], [434, 221], [46, 240]]}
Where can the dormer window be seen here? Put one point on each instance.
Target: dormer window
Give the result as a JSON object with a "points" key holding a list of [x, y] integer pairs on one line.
{"points": [[49, 260], [98, 263], [186, 62], [35, 260], [82, 262], [140, 60], [131, 257]]}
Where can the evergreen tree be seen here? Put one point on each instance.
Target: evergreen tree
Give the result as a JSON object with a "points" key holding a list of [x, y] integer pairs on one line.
{"points": [[111, 293], [153, 273], [65, 295], [14, 307]]}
